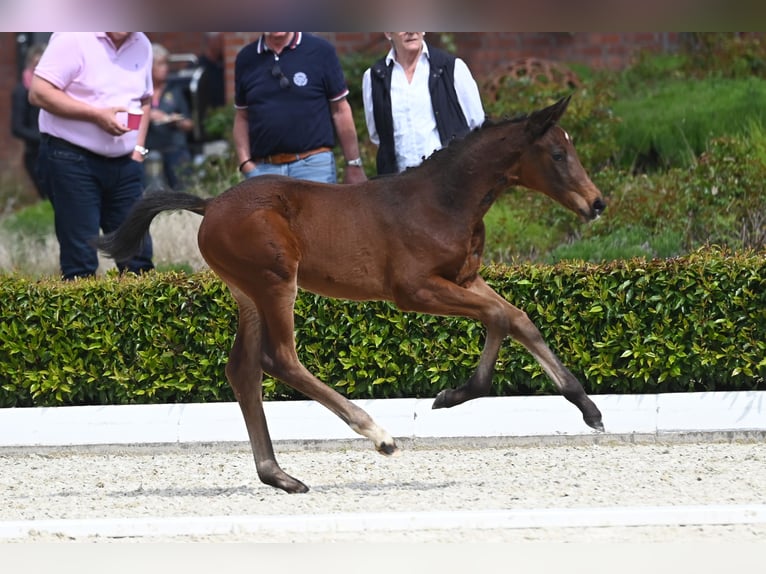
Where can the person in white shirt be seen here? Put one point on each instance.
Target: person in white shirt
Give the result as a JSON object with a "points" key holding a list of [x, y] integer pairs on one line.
{"points": [[416, 100]]}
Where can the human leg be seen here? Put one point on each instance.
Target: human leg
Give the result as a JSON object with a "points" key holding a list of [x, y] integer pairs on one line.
{"points": [[122, 184], [68, 180], [177, 166], [318, 167], [267, 169], [30, 165]]}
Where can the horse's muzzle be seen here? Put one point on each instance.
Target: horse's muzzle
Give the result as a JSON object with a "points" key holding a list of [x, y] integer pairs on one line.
{"points": [[596, 210], [598, 207]]}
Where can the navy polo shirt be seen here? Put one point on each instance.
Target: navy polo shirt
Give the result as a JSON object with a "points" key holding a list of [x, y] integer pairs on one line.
{"points": [[296, 118]]}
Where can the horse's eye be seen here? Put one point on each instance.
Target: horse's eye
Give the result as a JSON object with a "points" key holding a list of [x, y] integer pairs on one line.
{"points": [[557, 156]]}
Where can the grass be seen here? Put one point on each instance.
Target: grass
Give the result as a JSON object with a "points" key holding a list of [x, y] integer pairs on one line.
{"points": [[669, 123], [621, 244], [523, 224], [35, 221]]}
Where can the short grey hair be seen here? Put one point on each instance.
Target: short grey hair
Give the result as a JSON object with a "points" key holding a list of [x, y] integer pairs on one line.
{"points": [[34, 53], [159, 51]]}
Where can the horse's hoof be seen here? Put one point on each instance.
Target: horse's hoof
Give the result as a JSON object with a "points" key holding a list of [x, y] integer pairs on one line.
{"points": [[295, 488], [440, 402], [388, 449], [287, 483], [596, 424]]}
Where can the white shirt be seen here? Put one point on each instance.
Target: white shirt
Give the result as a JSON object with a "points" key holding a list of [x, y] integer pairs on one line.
{"points": [[415, 133]]}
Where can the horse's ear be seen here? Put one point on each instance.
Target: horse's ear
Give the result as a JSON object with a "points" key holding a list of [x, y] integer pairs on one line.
{"points": [[541, 121]]}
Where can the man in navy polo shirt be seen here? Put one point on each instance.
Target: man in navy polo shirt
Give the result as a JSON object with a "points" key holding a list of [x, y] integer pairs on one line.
{"points": [[290, 99]]}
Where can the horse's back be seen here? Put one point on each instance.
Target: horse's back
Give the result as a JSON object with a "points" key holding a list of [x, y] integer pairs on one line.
{"points": [[334, 239], [279, 192]]}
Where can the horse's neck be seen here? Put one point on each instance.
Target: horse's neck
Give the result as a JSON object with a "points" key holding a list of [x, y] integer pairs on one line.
{"points": [[473, 174]]}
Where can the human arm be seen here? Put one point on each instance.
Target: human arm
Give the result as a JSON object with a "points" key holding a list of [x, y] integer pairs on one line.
{"points": [[48, 97], [146, 104], [177, 120], [343, 120], [173, 110], [468, 95], [185, 124], [184, 121], [181, 122], [369, 116], [19, 112], [241, 137]]}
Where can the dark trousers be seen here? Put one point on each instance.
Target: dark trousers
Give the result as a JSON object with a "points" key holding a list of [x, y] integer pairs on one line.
{"points": [[31, 152], [177, 166], [89, 193]]}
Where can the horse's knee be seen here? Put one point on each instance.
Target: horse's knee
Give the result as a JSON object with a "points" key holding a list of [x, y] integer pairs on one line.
{"points": [[234, 369], [286, 369], [267, 361]]}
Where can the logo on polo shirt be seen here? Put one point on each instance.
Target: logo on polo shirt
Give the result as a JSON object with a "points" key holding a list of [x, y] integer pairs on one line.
{"points": [[300, 79]]}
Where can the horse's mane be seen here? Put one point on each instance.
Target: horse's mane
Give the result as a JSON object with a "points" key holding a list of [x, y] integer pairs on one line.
{"points": [[445, 154]]}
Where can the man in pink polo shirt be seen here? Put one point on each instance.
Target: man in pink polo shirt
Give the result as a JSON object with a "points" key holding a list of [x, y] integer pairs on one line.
{"points": [[89, 158]]}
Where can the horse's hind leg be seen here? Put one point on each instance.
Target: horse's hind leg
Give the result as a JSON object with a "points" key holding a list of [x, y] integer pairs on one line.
{"points": [[245, 375], [285, 366], [280, 360]]}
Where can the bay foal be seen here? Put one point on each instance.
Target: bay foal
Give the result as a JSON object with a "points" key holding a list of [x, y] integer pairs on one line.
{"points": [[415, 239]]}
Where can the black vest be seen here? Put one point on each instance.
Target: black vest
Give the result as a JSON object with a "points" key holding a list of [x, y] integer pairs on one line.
{"points": [[450, 120]]}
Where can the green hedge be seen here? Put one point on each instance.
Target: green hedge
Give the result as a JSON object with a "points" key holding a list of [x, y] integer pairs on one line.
{"points": [[633, 326]]}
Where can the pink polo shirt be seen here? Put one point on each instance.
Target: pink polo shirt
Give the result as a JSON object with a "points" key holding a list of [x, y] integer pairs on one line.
{"points": [[87, 67]]}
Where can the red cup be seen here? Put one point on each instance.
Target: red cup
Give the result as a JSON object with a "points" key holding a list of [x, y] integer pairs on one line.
{"points": [[134, 119]]}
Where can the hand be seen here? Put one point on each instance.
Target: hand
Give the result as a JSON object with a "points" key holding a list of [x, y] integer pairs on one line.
{"points": [[157, 116], [161, 118], [247, 168], [106, 119], [354, 174]]}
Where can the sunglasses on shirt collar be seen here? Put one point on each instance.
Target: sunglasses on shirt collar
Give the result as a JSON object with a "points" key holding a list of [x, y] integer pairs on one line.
{"points": [[276, 71]]}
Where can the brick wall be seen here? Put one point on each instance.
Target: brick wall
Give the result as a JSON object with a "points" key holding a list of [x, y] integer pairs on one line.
{"points": [[10, 147], [487, 52]]}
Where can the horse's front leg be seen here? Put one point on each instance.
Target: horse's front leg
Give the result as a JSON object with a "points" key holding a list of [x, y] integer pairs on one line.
{"points": [[525, 332], [479, 301], [245, 376], [481, 380]]}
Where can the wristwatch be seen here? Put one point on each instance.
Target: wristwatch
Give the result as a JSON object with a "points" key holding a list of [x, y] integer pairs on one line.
{"points": [[355, 162], [142, 150]]}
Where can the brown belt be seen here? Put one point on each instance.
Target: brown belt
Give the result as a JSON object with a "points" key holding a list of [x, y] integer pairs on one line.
{"points": [[280, 158]]}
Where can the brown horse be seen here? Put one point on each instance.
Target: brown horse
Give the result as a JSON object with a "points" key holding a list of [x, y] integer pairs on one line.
{"points": [[415, 239]]}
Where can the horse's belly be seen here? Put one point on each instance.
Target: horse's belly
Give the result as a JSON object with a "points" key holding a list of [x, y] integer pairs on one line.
{"points": [[357, 284]]}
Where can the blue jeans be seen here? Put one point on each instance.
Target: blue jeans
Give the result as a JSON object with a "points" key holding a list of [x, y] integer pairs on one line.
{"points": [[89, 192], [318, 167]]}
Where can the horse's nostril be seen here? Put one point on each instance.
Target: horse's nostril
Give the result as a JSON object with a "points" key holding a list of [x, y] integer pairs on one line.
{"points": [[598, 207]]}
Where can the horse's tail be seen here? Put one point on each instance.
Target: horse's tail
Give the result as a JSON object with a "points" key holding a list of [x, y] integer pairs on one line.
{"points": [[126, 240]]}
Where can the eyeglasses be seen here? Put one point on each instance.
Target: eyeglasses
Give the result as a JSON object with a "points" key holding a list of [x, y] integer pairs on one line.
{"points": [[276, 71]]}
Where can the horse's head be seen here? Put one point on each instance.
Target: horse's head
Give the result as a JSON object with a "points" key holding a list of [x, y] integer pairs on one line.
{"points": [[550, 164]]}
